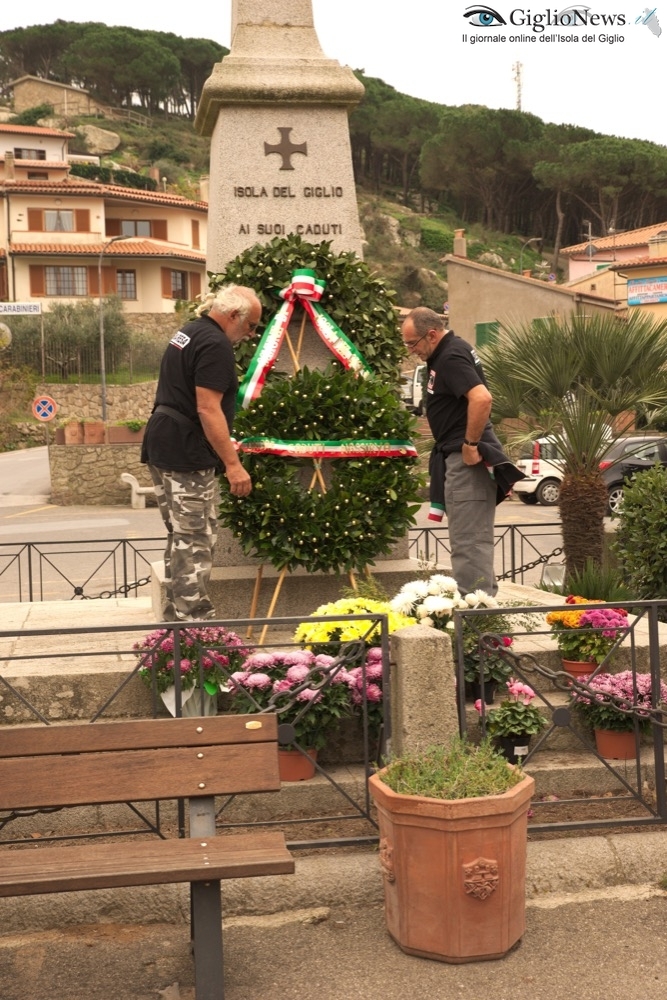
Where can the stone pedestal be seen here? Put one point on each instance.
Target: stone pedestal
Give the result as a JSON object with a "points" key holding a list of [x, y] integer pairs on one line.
{"points": [[276, 108]]}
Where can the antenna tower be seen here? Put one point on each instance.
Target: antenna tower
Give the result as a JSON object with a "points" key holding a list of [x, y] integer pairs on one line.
{"points": [[517, 67]]}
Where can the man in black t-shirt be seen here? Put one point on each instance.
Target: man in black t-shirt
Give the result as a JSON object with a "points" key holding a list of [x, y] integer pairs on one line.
{"points": [[469, 471], [188, 440]]}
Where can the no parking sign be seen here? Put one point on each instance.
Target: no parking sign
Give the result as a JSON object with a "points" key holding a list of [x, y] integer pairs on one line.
{"points": [[44, 408]]}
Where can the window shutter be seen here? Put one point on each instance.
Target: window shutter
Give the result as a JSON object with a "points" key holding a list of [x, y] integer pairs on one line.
{"points": [[166, 283], [93, 281], [159, 229], [195, 234], [112, 227], [195, 285], [82, 220], [37, 279], [35, 220], [108, 281]]}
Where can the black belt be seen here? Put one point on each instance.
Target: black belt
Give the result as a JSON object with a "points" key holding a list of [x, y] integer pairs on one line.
{"points": [[177, 415]]}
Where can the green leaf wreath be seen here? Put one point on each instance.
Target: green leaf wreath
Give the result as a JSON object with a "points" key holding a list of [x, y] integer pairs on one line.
{"points": [[369, 503], [359, 302]]}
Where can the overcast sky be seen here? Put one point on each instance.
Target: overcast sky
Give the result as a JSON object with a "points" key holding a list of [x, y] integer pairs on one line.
{"points": [[615, 87]]}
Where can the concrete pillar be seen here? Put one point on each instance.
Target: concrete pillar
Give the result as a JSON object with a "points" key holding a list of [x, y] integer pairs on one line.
{"points": [[423, 690], [460, 248], [276, 110]]}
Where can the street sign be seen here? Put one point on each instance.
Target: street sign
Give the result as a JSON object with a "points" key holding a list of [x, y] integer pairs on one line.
{"points": [[20, 308], [44, 408]]}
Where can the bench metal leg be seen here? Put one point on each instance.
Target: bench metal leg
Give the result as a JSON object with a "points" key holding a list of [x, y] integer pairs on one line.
{"points": [[206, 913], [207, 937]]}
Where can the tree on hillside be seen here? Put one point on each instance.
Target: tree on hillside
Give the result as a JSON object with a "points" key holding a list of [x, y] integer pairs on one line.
{"points": [[481, 157], [569, 378]]}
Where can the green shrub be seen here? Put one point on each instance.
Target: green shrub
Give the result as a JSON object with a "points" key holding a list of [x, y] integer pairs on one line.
{"points": [[434, 237], [32, 115], [601, 583], [641, 540], [458, 771]]}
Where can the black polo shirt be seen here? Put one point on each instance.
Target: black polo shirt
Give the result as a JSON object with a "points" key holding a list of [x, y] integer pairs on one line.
{"points": [[454, 369], [198, 355]]}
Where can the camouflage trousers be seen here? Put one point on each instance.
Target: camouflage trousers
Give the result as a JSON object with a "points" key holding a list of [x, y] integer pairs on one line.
{"points": [[187, 502]]}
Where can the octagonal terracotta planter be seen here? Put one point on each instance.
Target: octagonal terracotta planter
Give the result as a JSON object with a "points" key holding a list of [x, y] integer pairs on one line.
{"points": [[454, 871]]}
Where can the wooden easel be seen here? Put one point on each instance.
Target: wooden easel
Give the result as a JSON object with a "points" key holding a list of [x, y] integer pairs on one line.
{"points": [[316, 480]]}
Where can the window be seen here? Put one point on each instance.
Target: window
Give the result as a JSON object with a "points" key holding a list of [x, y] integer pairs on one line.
{"points": [[29, 154], [195, 233], [179, 285], [38, 175], [126, 284], [57, 221], [67, 281], [135, 227]]}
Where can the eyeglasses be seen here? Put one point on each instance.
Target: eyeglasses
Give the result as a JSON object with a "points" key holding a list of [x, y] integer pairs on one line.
{"points": [[413, 343]]}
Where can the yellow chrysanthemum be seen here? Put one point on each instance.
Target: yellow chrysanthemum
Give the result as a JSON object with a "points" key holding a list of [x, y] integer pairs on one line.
{"points": [[343, 630]]}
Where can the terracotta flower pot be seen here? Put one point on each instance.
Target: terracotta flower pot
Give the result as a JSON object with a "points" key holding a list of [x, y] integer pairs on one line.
{"points": [[454, 871], [293, 766], [614, 745], [575, 668], [73, 432], [93, 432], [123, 435]]}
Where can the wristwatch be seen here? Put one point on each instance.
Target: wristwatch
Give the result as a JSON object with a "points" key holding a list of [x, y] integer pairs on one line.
{"points": [[471, 444]]}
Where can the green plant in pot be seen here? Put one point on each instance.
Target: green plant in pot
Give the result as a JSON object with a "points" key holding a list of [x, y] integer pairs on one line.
{"points": [[586, 635], [616, 705], [453, 827], [516, 719]]}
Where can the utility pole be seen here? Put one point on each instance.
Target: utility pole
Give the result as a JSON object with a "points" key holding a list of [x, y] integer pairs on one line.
{"points": [[517, 67]]}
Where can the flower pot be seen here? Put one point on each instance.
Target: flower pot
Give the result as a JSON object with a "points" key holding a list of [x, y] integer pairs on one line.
{"points": [[73, 432], [575, 668], [474, 690], [454, 871], [294, 766], [93, 432], [191, 702], [615, 745], [513, 748], [123, 435]]}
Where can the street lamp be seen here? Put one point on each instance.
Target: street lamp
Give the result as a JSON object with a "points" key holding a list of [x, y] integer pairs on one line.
{"points": [[103, 372], [533, 239]]}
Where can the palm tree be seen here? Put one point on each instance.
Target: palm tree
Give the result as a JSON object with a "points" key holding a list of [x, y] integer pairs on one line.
{"points": [[582, 380]]}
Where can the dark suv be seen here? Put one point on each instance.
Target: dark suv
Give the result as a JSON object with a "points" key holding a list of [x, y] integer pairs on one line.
{"points": [[626, 456]]}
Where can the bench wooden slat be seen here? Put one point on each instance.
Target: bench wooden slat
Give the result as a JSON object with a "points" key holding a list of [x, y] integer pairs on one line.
{"points": [[28, 741], [136, 775], [29, 871]]}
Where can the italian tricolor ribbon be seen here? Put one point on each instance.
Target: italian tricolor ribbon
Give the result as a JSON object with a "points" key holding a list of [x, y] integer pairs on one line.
{"points": [[345, 448], [307, 289]]}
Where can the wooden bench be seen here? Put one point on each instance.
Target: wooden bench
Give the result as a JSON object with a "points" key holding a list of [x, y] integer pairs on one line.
{"points": [[194, 759]]}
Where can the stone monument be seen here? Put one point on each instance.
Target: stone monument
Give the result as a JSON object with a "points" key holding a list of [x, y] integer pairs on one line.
{"points": [[276, 110]]}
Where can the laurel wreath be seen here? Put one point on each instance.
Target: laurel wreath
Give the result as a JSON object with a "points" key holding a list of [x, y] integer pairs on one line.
{"points": [[365, 506]]}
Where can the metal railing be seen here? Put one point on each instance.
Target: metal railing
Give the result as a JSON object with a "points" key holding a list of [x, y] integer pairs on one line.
{"points": [[337, 805], [519, 548], [71, 570], [79, 570], [635, 786]]}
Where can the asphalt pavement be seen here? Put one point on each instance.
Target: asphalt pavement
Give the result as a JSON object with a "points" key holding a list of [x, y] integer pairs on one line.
{"points": [[581, 947]]}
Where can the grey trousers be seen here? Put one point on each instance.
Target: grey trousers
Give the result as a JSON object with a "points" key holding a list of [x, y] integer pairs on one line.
{"points": [[470, 502], [187, 502]]}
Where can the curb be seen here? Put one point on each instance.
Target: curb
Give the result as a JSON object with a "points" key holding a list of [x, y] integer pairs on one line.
{"points": [[555, 868]]}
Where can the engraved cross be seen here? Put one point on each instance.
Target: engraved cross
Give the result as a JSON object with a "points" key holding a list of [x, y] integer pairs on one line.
{"points": [[286, 148]]}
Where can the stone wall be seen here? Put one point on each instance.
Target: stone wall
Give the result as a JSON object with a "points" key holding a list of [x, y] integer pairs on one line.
{"points": [[90, 474], [124, 402], [161, 326]]}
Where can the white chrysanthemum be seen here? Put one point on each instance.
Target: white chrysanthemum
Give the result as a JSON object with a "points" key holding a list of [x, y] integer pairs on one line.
{"points": [[438, 605], [479, 598], [443, 583], [402, 604], [450, 624], [427, 621], [418, 588], [421, 611]]}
